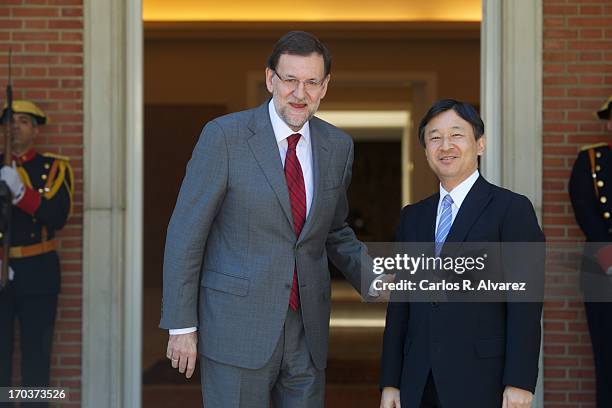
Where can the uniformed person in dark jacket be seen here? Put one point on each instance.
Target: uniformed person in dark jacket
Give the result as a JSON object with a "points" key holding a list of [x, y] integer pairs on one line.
{"points": [[590, 190], [42, 189]]}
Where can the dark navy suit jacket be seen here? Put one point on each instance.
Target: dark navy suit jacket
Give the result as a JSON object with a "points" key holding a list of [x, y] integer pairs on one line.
{"points": [[473, 350]]}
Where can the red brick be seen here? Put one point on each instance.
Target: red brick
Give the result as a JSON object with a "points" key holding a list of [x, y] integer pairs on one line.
{"points": [[561, 104], [66, 48], [554, 68], [36, 36], [591, 56], [66, 24], [10, 23], [35, 48], [554, 22], [35, 12], [560, 33], [596, 91], [554, 396], [559, 10], [595, 10], [36, 24], [72, 12], [561, 385], [66, 2], [556, 56], [589, 45], [560, 80], [555, 44], [591, 33]]}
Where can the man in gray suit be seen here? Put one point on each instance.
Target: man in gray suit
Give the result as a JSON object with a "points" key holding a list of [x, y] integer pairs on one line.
{"points": [[261, 208]]}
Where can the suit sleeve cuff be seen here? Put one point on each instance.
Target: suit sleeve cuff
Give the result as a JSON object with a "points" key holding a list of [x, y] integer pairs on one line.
{"points": [[30, 201], [174, 332]]}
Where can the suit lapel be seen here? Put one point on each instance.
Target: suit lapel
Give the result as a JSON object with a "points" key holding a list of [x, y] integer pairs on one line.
{"points": [[471, 209], [321, 156], [427, 229], [265, 149]]}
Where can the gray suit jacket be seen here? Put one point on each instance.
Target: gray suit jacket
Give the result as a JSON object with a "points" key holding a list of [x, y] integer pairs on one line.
{"points": [[231, 248]]}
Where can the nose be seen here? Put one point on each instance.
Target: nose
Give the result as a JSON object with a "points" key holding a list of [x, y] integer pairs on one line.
{"points": [[299, 91], [446, 143]]}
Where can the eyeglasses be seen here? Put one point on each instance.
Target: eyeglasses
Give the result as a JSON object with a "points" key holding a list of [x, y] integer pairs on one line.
{"points": [[310, 85]]}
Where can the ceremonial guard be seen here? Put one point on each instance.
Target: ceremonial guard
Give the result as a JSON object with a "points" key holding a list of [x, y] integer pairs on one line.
{"points": [[590, 189], [41, 187]]}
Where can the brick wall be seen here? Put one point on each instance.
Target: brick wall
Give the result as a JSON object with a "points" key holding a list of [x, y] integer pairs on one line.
{"points": [[47, 41], [577, 79]]}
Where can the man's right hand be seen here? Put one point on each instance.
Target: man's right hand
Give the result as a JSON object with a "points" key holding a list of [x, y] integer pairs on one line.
{"points": [[390, 398], [182, 352]]}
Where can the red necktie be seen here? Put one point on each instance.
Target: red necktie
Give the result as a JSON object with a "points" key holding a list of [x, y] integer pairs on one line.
{"points": [[297, 195]]}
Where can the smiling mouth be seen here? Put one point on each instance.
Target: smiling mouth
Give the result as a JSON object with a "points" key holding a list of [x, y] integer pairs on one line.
{"points": [[298, 106], [447, 159]]}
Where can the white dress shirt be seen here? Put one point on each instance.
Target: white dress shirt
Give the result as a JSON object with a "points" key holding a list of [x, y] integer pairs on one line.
{"points": [[304, 154], [458, 194]]}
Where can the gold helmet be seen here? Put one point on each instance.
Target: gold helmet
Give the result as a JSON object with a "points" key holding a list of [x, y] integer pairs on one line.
{"points": [[604, 111], [22, 106]]}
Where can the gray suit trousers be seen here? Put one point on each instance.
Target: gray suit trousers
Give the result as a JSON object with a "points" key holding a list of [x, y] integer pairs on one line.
{"points": [[288, 380]]}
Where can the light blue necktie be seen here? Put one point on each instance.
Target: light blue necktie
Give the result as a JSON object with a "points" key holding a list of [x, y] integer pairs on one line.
{"points": [[444, 225]]}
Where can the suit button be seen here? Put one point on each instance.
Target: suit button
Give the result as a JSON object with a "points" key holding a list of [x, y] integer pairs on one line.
{"points": [[603, 199], [606, 215], [600, 183], [434, 304]]}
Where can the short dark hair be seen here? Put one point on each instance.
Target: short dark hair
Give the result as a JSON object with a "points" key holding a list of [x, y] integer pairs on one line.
{"points": [[299, 43], [466, 111]]}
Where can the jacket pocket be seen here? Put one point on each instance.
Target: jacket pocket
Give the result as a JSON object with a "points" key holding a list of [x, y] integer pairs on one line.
{"points": [[225, 283], [489, 348]]}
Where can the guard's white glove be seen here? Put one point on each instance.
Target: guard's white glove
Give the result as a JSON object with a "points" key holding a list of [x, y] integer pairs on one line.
{"points": [[9, 175], [11, 272]]}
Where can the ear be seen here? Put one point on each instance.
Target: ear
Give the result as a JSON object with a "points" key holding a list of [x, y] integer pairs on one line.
{"points": [[481, 144], [269, 77], [324, 86]]}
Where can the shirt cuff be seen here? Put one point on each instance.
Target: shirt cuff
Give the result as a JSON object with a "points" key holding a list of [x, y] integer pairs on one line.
{"points": [[30, 201], [174, 332]]}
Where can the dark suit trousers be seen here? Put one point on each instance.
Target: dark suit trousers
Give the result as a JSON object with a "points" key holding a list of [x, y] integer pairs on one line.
{"points": [[599, 317], [36, 315]]}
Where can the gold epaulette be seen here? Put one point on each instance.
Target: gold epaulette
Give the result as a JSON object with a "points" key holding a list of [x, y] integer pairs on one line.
{"points": [[593, 146], [56, 156]]}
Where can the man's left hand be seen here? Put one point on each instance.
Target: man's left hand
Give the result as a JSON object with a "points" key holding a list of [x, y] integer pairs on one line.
{"points": [[516, 398], [182, 352]]}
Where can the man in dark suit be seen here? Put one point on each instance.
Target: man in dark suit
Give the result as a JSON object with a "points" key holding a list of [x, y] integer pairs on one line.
{"points": [[459, 355], [590, 191]]}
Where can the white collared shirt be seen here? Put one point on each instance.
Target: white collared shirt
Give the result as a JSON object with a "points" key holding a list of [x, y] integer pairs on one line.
{"points": [[304, 154], [458, 195], [303, 149]]}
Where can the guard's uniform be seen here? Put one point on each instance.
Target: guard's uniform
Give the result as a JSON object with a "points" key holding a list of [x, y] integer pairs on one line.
{"points": [[590, 190], [31, 297]]}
